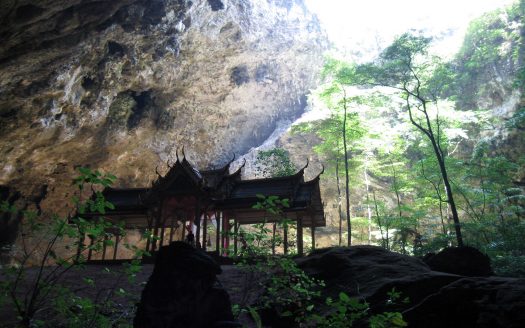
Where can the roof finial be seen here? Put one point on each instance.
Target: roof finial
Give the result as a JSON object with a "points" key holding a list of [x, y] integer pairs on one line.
{"points": [[319, 175], [304, 167]]}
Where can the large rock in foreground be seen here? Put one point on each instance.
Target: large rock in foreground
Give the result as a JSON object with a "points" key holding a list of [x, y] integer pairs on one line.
{"points": [[183, 292], [435, 299], [370, 272], [464, 261], [473, 302]]}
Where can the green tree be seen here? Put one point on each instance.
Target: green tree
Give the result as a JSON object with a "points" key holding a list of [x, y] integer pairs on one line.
{"points": [[407, 67], [273, 163], [343, 128], [331, 151], [391, 167]]}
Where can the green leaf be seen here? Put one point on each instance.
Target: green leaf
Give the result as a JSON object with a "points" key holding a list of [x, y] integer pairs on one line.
{"points": [[344, 297], [398, 321], [255, 316]]}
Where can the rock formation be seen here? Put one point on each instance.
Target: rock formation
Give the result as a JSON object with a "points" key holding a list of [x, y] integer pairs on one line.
{"points": [[119, 85], [435, 299], [183, 291], [472, 302], [465, 261]]}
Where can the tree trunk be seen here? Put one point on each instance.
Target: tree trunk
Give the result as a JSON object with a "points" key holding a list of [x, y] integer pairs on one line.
{"points": [[369, 210], [347, 178], [451, 202], [379, 223], [440, 158], [396, 189], [339, 210]]}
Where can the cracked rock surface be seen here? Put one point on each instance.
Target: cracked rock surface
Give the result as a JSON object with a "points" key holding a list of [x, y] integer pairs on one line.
{"points": [[119, 85]]}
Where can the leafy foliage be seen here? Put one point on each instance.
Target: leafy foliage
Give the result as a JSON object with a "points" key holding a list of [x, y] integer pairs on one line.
{"points": [[290, 292], [274, 163], [420, 132], [492, 42], [60, 243]]}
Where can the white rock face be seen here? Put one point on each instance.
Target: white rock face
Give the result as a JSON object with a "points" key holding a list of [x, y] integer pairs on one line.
{"points": [[120, 85]]}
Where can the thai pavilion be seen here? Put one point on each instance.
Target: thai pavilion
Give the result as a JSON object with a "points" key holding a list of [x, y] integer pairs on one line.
{"points": [[186, 199]]}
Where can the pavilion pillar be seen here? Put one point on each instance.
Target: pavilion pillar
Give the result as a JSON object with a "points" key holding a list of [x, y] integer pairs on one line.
{"points": [[90, 251], [104, 246], [153, 237], [162, 229], [171, 229], [285, 239], [149, 229], [204, 228], [218, 235], [300, 235], [312, 230], [81, 246], [236, 232], [157, 213], [183, 230], [117, 239], [198, 223], [223, 218], [225, 233]]}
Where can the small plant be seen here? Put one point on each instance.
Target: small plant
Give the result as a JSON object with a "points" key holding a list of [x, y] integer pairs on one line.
{"points": [[387, 320], [288, 290], [345, 311], [395, 297]]}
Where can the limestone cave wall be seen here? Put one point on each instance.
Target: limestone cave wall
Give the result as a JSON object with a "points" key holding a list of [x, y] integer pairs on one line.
{"points": [[118, 85]]}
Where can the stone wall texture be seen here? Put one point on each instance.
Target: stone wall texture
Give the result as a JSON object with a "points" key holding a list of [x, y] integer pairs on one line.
{"points": [[119, 85]]}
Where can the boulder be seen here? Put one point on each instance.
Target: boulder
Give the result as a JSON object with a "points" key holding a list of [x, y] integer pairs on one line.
{"points": [[370, 272], [472, 302], [465, 261], [435, 299], [183, 291]]}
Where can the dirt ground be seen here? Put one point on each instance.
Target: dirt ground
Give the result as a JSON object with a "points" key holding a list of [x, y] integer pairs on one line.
{"points": [[242, 287]]}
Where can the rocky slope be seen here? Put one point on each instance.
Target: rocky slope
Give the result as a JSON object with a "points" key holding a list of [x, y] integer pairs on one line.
{"points": [[431, 298], [490, 76], [119, 85]]}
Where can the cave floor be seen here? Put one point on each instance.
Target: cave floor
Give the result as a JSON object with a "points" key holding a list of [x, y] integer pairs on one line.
{"points": [[109, 281]]}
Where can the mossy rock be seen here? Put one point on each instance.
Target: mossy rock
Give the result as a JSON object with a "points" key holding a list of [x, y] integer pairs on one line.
{"points": [[121, 109]]}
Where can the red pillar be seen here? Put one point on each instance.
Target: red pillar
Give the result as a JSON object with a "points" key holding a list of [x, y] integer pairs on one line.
{"points": [[226, 230]]}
